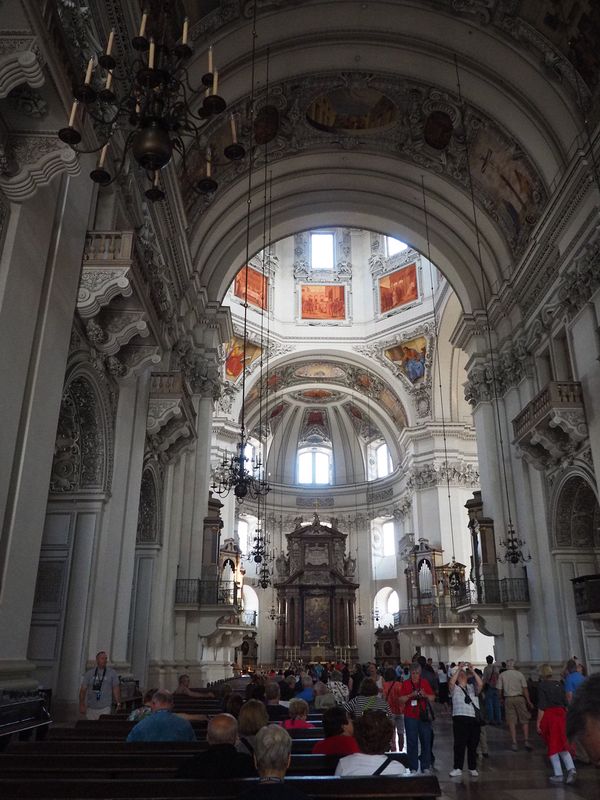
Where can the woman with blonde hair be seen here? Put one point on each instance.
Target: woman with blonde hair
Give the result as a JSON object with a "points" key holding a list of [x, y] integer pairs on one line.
{"points": [[552, 725], [252, 717], [298, 713], [323, 697]]}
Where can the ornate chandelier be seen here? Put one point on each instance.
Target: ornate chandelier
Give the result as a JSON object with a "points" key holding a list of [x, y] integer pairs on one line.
{"points": [[149, 103], [239, 474], [513, 549]]}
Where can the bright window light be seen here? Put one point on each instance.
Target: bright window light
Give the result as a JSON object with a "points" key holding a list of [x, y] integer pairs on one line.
{"points": [[243, 535], [314, 467], [389, 539], [384, 462], [321, 250], [394, 246]]}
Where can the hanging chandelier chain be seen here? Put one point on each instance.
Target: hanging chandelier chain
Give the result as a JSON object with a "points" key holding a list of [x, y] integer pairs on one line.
{"points": [[439, 367], [500, 437]]}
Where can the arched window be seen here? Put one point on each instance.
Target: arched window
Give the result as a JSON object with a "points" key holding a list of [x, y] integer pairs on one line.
{"points": [[314, 465], [251, 605], [385, 604], [243, 535]]}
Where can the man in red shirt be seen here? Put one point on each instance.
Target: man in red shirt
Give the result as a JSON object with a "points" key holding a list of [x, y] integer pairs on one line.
{"points": [[415, 695], [339, 739]]}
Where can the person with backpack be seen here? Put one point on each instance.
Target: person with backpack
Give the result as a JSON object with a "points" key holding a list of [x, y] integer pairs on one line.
{"points": [[392, 688], [491, 674]]}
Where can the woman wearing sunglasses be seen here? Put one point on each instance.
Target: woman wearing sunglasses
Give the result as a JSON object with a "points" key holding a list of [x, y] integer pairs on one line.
{"points": [[465, 686]]}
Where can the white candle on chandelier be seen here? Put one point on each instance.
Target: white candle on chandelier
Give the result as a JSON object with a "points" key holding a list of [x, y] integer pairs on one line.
{"points": [[210, 59], [143, 23], [186, 28], [233, 129], [109, 77], [208, 165], [88, 72], [156, 173], [215, 85], [73, 113], [151, 54], [102, 158], [111, 41]]}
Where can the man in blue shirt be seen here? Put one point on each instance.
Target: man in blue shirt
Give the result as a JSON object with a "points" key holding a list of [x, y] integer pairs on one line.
{"points": [[573, 679], [162, 725]]}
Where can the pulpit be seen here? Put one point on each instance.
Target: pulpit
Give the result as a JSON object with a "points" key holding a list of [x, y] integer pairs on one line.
{"points": [[316, 595]]}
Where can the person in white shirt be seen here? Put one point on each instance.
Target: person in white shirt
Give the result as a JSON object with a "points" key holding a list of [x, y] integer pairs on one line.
{"points": [[465, 686], [373, 732]]}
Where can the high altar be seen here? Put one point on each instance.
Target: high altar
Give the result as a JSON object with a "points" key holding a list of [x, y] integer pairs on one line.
{"points": [[316, 595]]}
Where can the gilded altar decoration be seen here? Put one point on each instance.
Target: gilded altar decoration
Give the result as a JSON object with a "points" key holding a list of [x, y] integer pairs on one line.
{"points": [[323, 302], [258, 285], [410, 357], [398, 288]]}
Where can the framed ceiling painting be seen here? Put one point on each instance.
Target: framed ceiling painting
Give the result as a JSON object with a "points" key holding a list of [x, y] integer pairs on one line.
{"points": [[258, 285], [398, 288]]}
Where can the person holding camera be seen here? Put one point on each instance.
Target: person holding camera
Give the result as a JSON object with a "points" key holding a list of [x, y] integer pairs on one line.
{"points": [[99, 688], [416, 696], [465, 686]]}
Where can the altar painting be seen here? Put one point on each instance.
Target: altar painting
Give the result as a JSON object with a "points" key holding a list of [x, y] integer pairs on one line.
{"points": [[316, 619], [257, 287], [398, 288], [410, 357], [323, 302], [234, 360]]}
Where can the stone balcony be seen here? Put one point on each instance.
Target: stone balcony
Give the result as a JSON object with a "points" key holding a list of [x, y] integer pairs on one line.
{"points": [[552, 427], [436, 625]]}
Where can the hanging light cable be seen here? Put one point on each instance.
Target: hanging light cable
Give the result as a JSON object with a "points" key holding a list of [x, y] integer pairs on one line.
{"points": [[233, 474], [512, 544], [454, 577]]}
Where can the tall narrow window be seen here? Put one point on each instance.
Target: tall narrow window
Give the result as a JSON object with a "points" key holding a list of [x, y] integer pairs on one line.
{"points": [[314, 466], [243, 535], [383, 461], [389, 540], [322, 250]]}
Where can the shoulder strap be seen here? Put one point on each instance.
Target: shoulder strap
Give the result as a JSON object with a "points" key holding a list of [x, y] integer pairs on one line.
{"points": [[383, 766], [246, 744], [389, 691]]}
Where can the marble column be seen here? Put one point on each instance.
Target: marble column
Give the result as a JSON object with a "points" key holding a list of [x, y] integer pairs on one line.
{"points": [[39, 277]]}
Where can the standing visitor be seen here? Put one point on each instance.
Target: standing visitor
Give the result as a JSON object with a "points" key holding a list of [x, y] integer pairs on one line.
{"points": [[392, 690], [517, 705], [416, 693], [99, 688], [552, 725], [443, 692], [583, 718], [491, 673], [466, 718], [573, 679]]}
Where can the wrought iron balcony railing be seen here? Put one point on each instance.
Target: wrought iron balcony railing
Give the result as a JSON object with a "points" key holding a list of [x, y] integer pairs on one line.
{"points": [[197, 592], [250, 618], [493, 591]]}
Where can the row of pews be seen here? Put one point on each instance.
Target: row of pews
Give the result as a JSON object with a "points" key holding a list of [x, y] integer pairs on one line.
{"points": [[93, 761]]}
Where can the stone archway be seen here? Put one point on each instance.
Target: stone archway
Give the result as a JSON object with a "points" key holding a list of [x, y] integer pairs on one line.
{"points": [[577, 516]]}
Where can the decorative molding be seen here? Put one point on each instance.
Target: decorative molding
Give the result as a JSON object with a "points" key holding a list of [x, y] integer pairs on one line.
{"points": [[486, 382], [458, 473], [19, 62], [33, 160]]}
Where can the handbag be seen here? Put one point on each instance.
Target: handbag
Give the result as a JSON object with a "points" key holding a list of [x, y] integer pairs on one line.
{"points": [[426, 714]]}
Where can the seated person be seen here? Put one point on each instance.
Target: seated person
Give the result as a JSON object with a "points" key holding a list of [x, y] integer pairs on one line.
{"points": [[183, 688], [373, 732], [337, 687], [339, 739], [307, 692], [275, 710], [272, 758], [252, 717], [234, 705], [145, 709], [287, 686], [367, 699], [323, 697], [298, 713], [221, 759], [162, 725]]}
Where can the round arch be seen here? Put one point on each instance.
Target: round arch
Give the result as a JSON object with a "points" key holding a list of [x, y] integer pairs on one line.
{"points": [[576, 517], [387, 603]]}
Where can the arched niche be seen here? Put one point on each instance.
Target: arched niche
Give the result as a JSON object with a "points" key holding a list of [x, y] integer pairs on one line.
{"points": [[84, 443], [149, 516], [577, 515]]}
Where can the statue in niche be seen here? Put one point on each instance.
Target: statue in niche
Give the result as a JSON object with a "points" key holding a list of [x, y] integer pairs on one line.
{"points": [[349, 566], [282, 564]]}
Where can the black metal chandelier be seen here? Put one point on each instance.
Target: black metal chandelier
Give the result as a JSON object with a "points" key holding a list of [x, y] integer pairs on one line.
{"points": [[513, 549], [150, 103], [240, 474]]}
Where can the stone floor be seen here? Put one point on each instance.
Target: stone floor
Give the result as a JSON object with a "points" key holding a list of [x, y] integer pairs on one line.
{"points": [[507, 775]]}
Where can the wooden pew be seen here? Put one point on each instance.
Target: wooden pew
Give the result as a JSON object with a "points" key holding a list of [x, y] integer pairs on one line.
{"points": [[106, 730], [113, 766], [367, 788]]}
